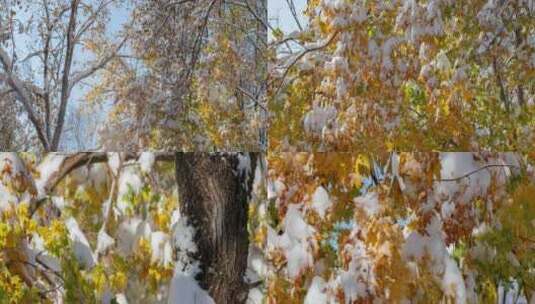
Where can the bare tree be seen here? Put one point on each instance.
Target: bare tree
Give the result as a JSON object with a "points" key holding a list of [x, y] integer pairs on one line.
{"points": [[59, 31]]}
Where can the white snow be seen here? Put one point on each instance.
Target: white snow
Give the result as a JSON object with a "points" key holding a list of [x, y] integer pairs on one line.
{"points": [[59, 202], [127, 235], [104, 241], [432, 243], [183, 235], [341, 88], [321, 201], [442, 266], [120, 298], [255, 296], [36, 251], [275, 189], [128, 180], [373, 50], [359, 12], [81, 247], [161, 250], [299, 258], [257, 268], [453, 282], [442, 62], [352, 287], [395, 171], [318, 117], [294, 224], [357, 280], [185, 290], [334, 4], [316, 292], [97, 174], [146, 161], [339, 63], [458, 164], [368, 202], [49, 166], [114, 162], [447, 209], [295, 242]]}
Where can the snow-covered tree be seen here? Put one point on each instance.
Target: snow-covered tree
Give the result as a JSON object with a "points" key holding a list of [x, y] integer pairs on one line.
{"points": [[126, 227], [196, 79], [409, 75], [400, 228]]}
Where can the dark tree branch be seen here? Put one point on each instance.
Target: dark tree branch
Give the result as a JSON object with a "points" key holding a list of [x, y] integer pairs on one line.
{"points": [[499, 82], [76, 78], [65, 84], [23, 95], [301, 55]]}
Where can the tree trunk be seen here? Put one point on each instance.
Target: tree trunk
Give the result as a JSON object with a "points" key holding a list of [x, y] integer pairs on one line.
{"points": [[214, 196]]}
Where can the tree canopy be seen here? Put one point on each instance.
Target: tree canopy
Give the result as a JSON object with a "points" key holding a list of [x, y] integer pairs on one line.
{"points": [[400, 228], [405, 75]]}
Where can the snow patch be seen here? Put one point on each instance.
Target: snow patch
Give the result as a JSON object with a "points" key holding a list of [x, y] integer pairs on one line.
{"points": [[275, 189], [255, 296], [183, 236], [114, 162], [128, 181], [316, 292], [49, 166], [161, 250], [146, 161], [82, 250], [321, 201], [453, 282], [127, 235], [458, 164], [185, 290], [294, 242], [318, 118], [104, 241], [368, 202]]}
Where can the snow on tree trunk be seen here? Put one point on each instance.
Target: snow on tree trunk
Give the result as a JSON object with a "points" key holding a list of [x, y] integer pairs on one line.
{"points": [[214, 191]]}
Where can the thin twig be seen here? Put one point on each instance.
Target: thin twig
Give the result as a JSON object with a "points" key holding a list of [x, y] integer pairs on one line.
{"points": [[475, 171]]}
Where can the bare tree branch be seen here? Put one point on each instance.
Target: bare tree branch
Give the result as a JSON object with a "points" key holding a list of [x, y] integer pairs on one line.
{"points": [[23, 96], [91, 20], [79, 76], [301, 55], [65, 86], [291, 5]]}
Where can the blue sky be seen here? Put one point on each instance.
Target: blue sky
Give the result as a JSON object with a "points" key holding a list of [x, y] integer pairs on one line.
{"points": [[118, 17], [279, 14]]}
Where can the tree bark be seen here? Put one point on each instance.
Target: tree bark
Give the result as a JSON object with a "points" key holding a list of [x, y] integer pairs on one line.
{"points": [[214, 196]]}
